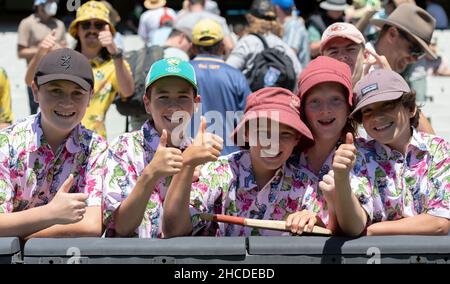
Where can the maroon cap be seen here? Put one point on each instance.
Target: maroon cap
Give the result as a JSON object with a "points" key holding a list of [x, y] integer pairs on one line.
{"points": [[325, 69], [378, 86], [65, 64], [277, 104]]}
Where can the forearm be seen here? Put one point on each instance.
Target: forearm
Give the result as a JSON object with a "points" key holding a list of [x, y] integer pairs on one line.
{"points": [[130, 213], [90, 226], [124, 78], [25, 222], [350, 215], [177, 218], [31, 70], [423, 224], [27, 52]]}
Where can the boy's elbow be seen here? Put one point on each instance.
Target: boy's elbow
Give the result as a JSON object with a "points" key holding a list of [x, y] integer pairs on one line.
{"points": [[442, 227]]}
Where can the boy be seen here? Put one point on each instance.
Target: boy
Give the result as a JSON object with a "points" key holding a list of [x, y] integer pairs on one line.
{"points": [[141, 163], [408, 170], [51, 167]]}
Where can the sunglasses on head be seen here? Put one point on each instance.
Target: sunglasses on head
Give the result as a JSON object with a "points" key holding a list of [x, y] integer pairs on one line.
{"points": [[97, 25], [414, 49]]}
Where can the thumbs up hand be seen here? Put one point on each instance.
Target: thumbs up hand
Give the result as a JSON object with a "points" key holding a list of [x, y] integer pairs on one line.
{"points": [[167, 161], [48, 43], [67, 207], [107, 40], [344, 158], [205, 148]]}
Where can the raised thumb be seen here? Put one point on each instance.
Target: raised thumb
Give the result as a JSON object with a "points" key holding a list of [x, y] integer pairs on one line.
{"points": [[349, 138], [65, 187], [202, 124], [163, 139]]}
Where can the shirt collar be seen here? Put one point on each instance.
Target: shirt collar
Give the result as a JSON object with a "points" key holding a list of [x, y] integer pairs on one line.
{"points": [[35, 136], [152, 136], [385, 153], [246, 174]]}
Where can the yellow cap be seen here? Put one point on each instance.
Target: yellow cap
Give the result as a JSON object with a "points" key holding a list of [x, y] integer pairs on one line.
{"points": [[89, 11], [207, 32]]}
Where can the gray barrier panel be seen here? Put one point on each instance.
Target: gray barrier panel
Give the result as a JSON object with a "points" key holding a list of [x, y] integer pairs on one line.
{"points": [[10, 250], [386, 249], [182, 250], [234, 250]]}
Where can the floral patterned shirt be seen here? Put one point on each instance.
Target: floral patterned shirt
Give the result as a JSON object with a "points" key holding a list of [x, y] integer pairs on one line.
{"points": [[106, 87], [358, 180], [31, 173], [411, 184], [228, 186], [129, 154]]}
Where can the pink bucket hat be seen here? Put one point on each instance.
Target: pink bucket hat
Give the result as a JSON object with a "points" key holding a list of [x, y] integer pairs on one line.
{"points": [[274, 103], [325, 69]]}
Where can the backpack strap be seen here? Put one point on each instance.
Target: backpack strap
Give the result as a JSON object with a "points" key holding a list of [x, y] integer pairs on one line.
{"points": [[262, 39]]}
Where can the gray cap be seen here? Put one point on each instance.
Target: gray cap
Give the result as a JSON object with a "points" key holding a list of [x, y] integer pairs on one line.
{"points": [[65, 64], [379, 86]]}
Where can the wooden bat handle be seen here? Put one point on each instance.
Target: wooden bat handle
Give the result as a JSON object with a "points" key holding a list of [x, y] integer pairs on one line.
{"points": [[257, 223]]}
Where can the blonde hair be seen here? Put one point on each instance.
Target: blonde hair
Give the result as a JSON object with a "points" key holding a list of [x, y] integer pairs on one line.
{"points": [[262, 26]]}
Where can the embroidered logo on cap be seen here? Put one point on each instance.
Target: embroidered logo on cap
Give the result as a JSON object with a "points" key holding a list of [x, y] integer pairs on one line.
{"points": [[65, 61], [368, 89]]}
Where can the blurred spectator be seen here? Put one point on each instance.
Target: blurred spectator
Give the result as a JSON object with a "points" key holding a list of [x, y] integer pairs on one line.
{"points": [[195, 12], [405, 37], [6, 116], [332, 11], [34, 29], [344, 42], [134, 16], [155, 17], [438, 13], [222, 88], [295, 34], [262, 21], [115, 19]]}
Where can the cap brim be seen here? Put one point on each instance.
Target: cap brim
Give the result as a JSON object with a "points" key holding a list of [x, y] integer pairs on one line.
{"points": [[52, 77], [381, 22], [331, 7], [289, 119], [173, 75], [387, 96]]}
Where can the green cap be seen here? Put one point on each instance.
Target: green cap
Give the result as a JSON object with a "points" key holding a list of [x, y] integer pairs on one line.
{"points": [[171, 67]]}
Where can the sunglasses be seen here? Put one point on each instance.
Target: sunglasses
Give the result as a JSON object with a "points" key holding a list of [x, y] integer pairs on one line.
{"points": [[97, 25], [414, 49]]}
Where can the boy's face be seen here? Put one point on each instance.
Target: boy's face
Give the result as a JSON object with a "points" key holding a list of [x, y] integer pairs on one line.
{"points": [[388, 123], [167, 96], [347, 51], [273, 148], [62, 103], [326, 111]]}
